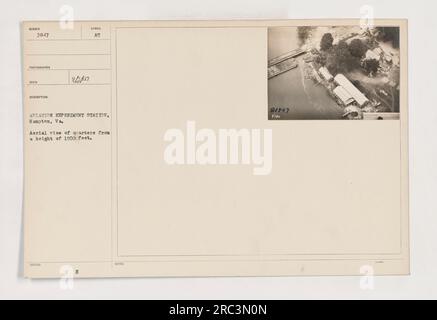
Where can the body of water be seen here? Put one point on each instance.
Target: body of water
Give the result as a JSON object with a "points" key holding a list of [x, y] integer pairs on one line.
{"points": [[304, 98]]}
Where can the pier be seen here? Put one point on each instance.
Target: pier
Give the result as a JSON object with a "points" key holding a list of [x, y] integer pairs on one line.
{"points": [[284, 63], [292, 54]]}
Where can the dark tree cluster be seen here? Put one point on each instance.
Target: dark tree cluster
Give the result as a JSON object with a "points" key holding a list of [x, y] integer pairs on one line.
{"points": [[358, 48], [337, 58], [387, 34], [304, 33], [326, 42], [342, 57], [342, 60], [371, 66]]}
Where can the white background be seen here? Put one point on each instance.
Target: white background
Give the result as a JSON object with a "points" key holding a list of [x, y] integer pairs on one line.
{"points": [[423, 152]]}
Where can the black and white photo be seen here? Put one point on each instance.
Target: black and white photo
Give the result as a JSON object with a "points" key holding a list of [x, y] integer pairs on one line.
{"points": [[333, 73]]}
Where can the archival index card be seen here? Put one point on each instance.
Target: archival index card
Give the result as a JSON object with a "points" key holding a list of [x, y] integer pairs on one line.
{"points": [[215, 148]]}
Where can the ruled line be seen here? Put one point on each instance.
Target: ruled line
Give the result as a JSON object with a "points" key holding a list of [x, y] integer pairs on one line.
{"points": [[69, 69], [66, 84], [67, 54], [42, 40]]}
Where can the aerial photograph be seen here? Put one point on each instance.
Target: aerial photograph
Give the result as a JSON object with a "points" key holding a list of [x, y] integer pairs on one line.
{"points": [[334, 73]]}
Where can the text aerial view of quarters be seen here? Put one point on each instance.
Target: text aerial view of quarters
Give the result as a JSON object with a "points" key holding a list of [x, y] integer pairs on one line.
{"points": [[334, 72]]}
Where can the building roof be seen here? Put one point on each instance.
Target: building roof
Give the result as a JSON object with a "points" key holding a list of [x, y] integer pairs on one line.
{"points": [[326, 74], [377, 51], [344, 96], [372, 55], [359, 97]]}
